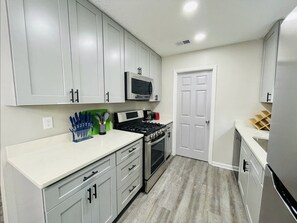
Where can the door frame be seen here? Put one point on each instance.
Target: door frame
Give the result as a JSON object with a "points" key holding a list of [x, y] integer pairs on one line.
{"points": [[176, 72]]}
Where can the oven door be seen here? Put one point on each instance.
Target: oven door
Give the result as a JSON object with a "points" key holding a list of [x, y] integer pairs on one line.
{"points": [[154, 156], [138, 87]]}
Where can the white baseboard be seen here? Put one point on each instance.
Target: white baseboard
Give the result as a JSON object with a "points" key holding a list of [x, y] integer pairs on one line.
{"points": [[225, 166]]}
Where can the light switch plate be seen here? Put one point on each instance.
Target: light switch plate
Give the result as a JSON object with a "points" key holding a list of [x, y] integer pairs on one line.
{"points": [[47, 122]]}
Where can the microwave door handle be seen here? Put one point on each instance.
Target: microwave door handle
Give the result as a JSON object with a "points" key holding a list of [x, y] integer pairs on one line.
{"points": [[150, 88]]}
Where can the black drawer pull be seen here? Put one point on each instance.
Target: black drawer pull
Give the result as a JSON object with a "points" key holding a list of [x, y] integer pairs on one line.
{"points": [[92, 174], [130, 190], [131, 150], [90, 195], [132, 167], [95, 191], [245, 163]]}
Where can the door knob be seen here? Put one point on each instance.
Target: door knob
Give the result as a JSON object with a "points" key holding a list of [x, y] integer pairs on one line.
{"points": [[207, 122]]}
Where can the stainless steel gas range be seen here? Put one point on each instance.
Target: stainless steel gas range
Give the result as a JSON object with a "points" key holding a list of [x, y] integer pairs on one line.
{"points": [[154, 143]]}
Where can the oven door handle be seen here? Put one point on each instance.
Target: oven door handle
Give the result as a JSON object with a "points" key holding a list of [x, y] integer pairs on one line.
{"points": [[155, 142]]}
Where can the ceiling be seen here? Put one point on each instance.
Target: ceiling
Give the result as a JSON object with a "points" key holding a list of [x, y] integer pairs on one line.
{"points": [[162, 23]]}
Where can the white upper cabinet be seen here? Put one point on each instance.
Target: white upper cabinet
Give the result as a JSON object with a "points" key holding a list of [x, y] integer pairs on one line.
{"points": [[68, 51], [131, 53], [269, 64], [137, 55], [144, 59], [87, 51], [39, 32], [156, 74], [113, 36]]}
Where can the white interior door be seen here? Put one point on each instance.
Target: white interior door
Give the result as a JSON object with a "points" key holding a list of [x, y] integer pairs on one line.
{"points": [[193, 114]]}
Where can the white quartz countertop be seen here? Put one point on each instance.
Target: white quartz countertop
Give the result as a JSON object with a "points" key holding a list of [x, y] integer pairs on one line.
{"points": [[247, 132], [46, 161], [163, 121]]}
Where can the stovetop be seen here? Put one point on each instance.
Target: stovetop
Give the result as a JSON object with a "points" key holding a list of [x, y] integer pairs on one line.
{"points": [[145, 128]]}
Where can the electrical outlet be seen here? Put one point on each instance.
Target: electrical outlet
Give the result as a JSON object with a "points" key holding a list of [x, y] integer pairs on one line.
{"points": [[47, 122]]}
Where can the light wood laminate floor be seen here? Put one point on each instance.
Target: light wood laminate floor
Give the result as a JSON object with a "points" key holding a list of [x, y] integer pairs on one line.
{"points": [[189, 191]]}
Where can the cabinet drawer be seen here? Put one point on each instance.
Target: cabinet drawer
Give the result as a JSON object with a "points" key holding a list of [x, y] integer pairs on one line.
{"points": [[258, 170], [128, 190], [68, 186], [126, 169], [128, 151]]}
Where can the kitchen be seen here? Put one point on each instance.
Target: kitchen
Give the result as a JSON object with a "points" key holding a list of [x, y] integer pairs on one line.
{"points": [[48, 57]]}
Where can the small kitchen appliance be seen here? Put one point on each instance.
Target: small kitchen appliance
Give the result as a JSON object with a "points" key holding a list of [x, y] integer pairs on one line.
{"points": [[138, 87], [154, 143], [148, 115]]}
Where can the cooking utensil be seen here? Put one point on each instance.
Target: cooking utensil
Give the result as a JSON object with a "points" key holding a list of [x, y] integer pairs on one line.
{"points": [[105, 117]]}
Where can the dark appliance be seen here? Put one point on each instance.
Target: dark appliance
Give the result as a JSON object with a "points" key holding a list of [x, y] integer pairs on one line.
{"points": [[148, 115], [138, 87], [153, 145], [279, 199]]}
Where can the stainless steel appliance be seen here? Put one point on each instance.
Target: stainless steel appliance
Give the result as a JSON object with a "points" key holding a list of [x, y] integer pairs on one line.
{"points": [[138, 87], [279, 200], [168, 149], [154, 143]]}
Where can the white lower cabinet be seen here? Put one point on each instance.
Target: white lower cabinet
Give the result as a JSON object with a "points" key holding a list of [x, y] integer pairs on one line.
{"points": [[94, 203], [75, 210], [95, 200], [129, 173], [94, 194], [250, 182]]}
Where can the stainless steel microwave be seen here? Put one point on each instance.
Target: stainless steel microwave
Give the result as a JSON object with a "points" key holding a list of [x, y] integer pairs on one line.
{"points": [[138, 87]]}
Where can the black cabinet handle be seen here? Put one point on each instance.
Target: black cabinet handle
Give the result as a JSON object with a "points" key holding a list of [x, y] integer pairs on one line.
{"points": [[90, 195], [71, 96], [130, 190], [139, 70], [131, 150], [245, 163], [92, 174], [132, 167], [268, 97], [107, 96], [77, 96], [95, 191]]}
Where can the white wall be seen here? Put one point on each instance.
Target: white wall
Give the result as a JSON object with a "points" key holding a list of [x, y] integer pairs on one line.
{"points": [[237, 88]]}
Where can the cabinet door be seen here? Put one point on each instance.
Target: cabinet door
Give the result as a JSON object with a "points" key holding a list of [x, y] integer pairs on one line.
{"points": [[144, 59], [243, 176], [269, 64], [113, 60], [76, 209], [155, 73], [254, 195], [39, 32], [104, 209], [131, 53], [87, 51]]}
